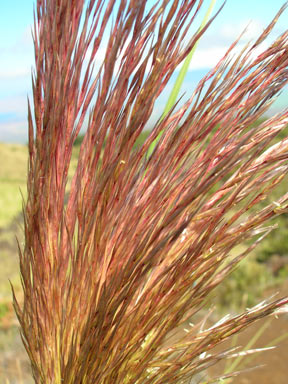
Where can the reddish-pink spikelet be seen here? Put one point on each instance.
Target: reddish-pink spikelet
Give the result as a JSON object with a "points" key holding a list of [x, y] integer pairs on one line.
{"points": [[110, 277]]}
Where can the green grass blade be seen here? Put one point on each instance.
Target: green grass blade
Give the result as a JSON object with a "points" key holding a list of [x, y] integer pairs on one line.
{"points": [[179, 81], [249, 345], [182, 74]]}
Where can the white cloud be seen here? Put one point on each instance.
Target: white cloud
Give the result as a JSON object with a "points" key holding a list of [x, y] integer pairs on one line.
{"points": [[17, 59], [232, 31], [213, 46], [209, 57]]}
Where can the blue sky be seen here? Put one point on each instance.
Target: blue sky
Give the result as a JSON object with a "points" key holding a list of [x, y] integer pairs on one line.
{"points": [[16, 53]]}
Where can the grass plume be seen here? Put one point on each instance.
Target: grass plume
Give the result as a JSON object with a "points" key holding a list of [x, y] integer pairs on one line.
{"points": [[110, 276]]}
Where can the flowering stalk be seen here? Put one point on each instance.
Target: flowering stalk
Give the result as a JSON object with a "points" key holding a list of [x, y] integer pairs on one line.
{"points": [[109, 277]]}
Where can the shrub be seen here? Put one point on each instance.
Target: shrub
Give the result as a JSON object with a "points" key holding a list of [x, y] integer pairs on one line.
{"points": [[112, 276], [3, 310], [245, 285], [276, 244]]}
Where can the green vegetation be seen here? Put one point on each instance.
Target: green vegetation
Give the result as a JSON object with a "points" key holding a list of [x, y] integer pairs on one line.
{"points": [[256, 273], [13, 174], [4, 309], [13, 177], [116, 261], [253, 275], [244, 286]]}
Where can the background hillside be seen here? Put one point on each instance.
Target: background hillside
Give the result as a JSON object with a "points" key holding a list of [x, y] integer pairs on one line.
{"points": [[266, 268]]}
